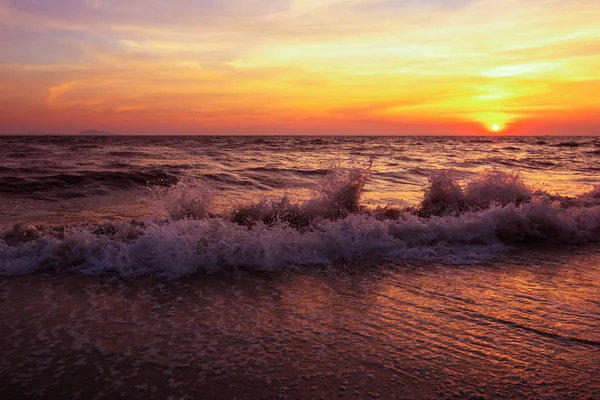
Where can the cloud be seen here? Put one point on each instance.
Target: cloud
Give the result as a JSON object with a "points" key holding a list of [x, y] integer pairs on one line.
{"points": [[367, 59], [399, 7], [147, 11], [56, 8]]}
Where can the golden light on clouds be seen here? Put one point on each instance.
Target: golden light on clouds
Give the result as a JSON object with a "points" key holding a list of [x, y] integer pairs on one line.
{"points": [[303, 66]]}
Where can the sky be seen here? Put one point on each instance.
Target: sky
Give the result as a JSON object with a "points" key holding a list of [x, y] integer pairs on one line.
{"points": [[402, 67]]}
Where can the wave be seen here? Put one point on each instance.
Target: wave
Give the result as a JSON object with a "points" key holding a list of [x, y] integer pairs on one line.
{"points": [[445, 196], [568, 144], [455, 224], [128, 153], [292, 170], [81, 180]]}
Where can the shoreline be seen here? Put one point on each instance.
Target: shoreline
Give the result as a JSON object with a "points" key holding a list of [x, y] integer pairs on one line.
{"points": [[412, 331]]}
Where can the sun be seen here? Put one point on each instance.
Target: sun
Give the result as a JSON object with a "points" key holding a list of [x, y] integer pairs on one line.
{"points": [[494, 121]]}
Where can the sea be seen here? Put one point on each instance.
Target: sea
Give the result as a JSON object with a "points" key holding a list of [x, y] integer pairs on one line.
{"points": [[271, 267]]}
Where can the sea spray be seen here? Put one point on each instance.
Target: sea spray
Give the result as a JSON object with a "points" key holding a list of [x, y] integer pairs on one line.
{"points": [[188, 199], [442, 196], [445, 196], [462, 224], [337, 196]]}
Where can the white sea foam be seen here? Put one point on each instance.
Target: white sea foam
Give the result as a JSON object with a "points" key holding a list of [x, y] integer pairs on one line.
{"points": [[188, 199], [457, 229]]}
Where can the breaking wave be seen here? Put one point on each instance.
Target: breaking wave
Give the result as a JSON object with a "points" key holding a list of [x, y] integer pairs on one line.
{"points": [[455, 223]]}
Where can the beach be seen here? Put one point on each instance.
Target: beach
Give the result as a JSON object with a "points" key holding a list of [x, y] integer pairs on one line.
{"points": [[521, 328]]}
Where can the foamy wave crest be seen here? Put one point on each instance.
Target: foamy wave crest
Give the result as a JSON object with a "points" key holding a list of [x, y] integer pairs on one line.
{"points": [[188, 199], [496, 187], [458, 224], [336, 197], [176, 248], [588, 199], [444, 195]]}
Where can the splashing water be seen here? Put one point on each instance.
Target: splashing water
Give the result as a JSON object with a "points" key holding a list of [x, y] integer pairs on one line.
{"points": [[496, 187], [453, 224], [442, 196], [336, 197], [445, 196], [189, 199]]}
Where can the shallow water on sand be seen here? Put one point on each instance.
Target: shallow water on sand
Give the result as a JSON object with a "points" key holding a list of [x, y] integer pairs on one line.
{"points": [[524, 327]]}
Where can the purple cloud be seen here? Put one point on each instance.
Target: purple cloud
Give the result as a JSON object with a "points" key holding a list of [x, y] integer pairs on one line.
{"points": [[148, 10]]}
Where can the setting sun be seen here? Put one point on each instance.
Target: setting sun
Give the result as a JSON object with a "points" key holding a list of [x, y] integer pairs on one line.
{"points": [[496, 127]]}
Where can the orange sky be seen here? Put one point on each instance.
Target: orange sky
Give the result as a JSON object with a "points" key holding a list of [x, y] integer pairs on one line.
{"points": [[300, 66]]}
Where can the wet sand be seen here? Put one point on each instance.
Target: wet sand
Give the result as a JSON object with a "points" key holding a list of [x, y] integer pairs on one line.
{"points": [[528, 327]]}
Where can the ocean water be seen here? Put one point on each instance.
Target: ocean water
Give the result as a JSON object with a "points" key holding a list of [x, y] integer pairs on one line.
{"points": [[300, 267], [174, 206]]}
